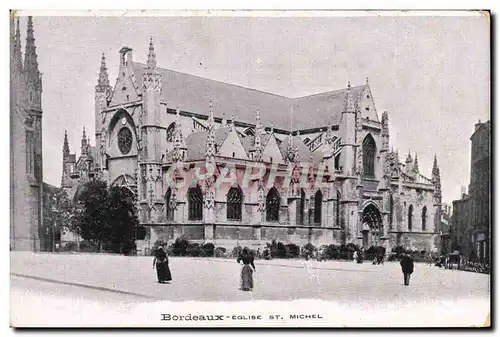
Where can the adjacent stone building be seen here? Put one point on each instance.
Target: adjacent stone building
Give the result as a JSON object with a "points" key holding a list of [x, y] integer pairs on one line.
{"points": [[471, 213], [326, 173], [26, 174]]}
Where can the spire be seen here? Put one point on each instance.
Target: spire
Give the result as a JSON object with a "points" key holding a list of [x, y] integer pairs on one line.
{"points": [[103, 80], [409, 159], [84, 143], [180, 149], [17, 54], [415, 164], [210, 144], [224, 120], [65, 144], [257, 145], [436, 179], [151, 77], [30, 58], [349, 100], [367, 81]]}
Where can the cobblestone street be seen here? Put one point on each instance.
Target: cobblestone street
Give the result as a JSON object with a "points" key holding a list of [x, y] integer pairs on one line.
{"points": [[117, 279]]}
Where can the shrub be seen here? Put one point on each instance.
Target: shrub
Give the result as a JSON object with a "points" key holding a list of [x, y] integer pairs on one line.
{"points": [[158, 243], [236, 251], [207, 249], [331, 252], [180, 246], [193, 249], [292, 250], [307, 250], [266, 254], [88, 247], [71, 246], [219, 251], [279, 251]]}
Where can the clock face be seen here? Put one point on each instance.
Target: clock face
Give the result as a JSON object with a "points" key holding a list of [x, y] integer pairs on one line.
{"points": [[125, 140], [124, 121]]}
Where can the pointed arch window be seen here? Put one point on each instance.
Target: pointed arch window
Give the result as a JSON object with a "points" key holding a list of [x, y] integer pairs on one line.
{"points": [[318, 205], [168, 199], [337, 209], [424, 218], [195, 201], [369, 152], [300, 208], [391, 210], [234, 203], [170, 132], [410, 217], [273, 202]]}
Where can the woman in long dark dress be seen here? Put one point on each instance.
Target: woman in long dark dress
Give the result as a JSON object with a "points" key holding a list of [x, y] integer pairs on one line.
{"points": [[247, 271], [162, 269]]}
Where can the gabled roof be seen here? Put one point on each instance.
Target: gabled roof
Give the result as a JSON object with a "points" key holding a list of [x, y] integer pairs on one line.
{"points": [[196, 143], [192, 93], [303, 150]]}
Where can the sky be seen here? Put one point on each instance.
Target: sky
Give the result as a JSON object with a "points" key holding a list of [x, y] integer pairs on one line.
{"points": [[431, 73]]}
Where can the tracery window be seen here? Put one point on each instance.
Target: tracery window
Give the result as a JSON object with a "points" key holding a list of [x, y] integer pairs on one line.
{"points": [[234, 203], [272, 205], [318, 204], [170, 211], [300, 208], [170, 132], [391, 209], [195, 201], [125, 140], [369, 152], [424, 218], [410, 217]]}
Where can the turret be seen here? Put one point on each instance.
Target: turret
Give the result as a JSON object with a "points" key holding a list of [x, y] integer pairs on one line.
{"points": [[348, 132], [84, 143], [32, 74], [180, 148], [257, 145], [436, 180], [408, 164], [210, 143]]}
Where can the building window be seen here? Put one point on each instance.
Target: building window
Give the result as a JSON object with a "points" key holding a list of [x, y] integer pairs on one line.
{"points": [[234, 203], [300, 208], [337, 162], [125, 140], [338, 208], [170, 132], [410, 217], [318, 204], [195, 200], [30, 153], [369, 152], [170, 211], [273, 205], [424, 218], [391, 209]]}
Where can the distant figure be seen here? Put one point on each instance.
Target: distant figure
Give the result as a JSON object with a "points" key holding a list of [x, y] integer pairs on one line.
{"points": [[360, 257], [161, 262], [355, 256], [246, 257], [406, 267]]}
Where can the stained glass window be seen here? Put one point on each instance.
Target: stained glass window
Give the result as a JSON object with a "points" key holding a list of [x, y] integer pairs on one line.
{"points": [[234, 203], [369, 152], [195, 199], [273, 205], [410, 217], [125, 140], [318, 203], [424, 218]]}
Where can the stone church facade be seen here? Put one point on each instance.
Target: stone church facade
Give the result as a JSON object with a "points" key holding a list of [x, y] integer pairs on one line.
{"points": [[216, 162], [26, 175]]}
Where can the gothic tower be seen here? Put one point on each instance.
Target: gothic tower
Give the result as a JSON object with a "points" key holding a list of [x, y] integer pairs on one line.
{"points": [[151, 134], [102, 93]]}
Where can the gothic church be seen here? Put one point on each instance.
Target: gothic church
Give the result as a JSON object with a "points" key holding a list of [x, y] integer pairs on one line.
{"points": [[153, 119], [26, 174]]}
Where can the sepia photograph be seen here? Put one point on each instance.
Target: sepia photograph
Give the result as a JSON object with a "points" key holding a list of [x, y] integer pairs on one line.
{"points": [[250, 169]]}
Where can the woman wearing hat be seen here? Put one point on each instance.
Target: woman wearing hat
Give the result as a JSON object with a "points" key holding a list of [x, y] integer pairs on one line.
{"points": [[161, 262]]}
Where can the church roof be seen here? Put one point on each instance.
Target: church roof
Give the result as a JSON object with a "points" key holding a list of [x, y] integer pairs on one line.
{"points": [[196, 144], [192, 93]]}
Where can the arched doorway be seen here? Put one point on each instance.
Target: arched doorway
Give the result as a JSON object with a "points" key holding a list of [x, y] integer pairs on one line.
{"points": [[372, 229]]}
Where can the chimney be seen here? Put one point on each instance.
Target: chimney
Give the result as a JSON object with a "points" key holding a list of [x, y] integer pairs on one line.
{"points": [[125, 56], [463, 191]]}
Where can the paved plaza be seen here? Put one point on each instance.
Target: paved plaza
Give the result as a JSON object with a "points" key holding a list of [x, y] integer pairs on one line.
{"points": [[116, 280]]}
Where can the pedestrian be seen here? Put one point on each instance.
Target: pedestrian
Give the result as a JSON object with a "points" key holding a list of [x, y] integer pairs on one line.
{"points": [[162, 269], [246, 283], [406, 267], [355, 256]]}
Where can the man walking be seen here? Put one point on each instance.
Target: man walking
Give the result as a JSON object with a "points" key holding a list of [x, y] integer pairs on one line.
{"points": [[406, 267]]}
